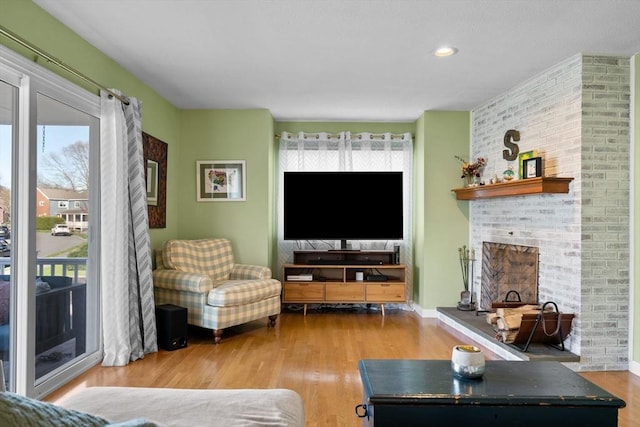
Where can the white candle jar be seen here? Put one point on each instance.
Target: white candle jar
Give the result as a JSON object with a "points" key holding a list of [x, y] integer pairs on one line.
{"points": [[467, 361]]}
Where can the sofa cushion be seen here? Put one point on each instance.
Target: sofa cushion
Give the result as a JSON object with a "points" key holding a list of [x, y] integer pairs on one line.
{"points": [[17, 410], [246, 272], [158, 259], [57, 281], [240, 292], [42, 286], [213, 257]]}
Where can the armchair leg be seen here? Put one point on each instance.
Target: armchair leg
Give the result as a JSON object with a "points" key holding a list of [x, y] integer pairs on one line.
{"points": [[272, 320]]}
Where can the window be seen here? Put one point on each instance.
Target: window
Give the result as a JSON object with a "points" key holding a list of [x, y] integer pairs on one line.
{"points": [[63, 204]]}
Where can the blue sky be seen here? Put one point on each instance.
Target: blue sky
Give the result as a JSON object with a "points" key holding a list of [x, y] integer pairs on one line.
{"points": [[56, 137]]}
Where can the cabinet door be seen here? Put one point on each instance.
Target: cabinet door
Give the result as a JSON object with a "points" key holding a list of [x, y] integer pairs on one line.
{"points": [[346, 292], [303, 292], [385, 292]]}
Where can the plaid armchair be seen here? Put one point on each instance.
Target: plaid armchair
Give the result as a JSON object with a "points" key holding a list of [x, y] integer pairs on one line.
{"points": [[202, 276]]}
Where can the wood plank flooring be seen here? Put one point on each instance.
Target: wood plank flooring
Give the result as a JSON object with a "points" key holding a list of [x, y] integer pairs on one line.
{"points": [[315, 355]]}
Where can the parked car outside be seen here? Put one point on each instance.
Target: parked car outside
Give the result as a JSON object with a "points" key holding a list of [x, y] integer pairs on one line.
{"points": [[5, 233], [5, 248], [60, 230]]}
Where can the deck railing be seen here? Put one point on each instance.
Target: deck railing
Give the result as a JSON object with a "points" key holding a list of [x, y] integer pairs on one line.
{"points": [[60, 310], [61, 266]]}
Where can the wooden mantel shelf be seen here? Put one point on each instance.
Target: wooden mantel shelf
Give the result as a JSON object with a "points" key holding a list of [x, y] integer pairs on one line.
{"points": [[518, 187]]}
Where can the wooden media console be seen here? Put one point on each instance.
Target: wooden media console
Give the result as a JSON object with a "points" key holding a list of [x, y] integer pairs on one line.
{"points": [[320, 277]]}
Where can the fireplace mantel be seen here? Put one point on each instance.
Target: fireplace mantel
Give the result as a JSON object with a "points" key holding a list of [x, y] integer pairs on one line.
{"points": [[518, 187]]}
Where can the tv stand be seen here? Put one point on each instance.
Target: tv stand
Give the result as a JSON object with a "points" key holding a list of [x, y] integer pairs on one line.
{"points": [[330, 277]]}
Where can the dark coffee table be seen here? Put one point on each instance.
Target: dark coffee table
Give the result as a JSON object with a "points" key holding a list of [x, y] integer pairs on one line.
{"points": [[425, 393]]}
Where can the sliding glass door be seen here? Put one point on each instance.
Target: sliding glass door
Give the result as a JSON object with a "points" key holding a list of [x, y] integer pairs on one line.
{"points": [[50, 200], [64, 137], [8, 108]]}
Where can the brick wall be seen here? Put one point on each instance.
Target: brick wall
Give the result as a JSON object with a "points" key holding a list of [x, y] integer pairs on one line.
{"points": [[576, 116]]}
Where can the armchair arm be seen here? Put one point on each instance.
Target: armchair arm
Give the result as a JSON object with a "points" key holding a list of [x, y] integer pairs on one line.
{"points": [[182, 281], [249, 272]]}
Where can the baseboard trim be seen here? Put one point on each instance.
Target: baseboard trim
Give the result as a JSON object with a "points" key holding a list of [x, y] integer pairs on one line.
{"points": [[425, 313]]}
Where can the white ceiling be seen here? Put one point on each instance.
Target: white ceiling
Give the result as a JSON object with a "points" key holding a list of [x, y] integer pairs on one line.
{"points": [[345, 60]]}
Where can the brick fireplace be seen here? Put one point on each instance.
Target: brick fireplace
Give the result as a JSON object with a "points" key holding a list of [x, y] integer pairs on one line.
{"points": [[576, 116]]}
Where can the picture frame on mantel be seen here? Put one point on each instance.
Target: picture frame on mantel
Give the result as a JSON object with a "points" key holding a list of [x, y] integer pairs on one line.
{"points": [[521, 158], [221, 180], [155, 160], [532, 168]]}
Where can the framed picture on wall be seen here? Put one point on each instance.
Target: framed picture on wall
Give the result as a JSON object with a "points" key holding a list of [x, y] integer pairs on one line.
{"points": [[155, 157], [152, 183], [221, 180], [532, 168]]}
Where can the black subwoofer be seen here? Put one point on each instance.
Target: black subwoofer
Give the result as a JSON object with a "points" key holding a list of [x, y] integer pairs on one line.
{"points": [[171, 322]]}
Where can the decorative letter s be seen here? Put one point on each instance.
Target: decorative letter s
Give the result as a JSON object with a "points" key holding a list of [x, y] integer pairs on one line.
{"points": [[513, 151]]}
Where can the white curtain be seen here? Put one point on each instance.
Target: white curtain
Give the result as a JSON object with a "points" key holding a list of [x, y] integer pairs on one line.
{"points": [[128, 309], [345, 151]]}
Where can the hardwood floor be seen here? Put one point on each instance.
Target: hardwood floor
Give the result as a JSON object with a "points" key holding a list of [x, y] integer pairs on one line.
{"points": [[315, 355]]}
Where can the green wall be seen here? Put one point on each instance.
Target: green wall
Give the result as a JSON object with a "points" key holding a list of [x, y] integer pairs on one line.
{"points": [[229, 135], [160, 118], [442, 222]]}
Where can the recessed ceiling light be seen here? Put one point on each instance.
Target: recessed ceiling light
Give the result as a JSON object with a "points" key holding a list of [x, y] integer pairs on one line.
{"points": [[445, 51]]}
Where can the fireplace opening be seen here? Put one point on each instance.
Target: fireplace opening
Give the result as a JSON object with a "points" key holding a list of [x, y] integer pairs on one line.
{"points": [[508, 268]]}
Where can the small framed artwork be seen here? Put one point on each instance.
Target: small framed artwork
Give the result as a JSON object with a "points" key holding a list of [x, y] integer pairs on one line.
{"points": [[152, 183], [532, 168], [221, 180], [155, 156], [522, 157]]}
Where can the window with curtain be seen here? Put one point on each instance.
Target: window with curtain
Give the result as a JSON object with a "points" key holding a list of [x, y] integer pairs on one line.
{"points": [[346, 151]]}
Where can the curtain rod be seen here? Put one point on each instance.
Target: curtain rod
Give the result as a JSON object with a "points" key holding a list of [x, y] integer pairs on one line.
{"points": [[277, 135], [59, 63]]}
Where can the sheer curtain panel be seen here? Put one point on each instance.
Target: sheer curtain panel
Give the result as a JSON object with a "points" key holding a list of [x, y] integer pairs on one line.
{"points": [[128, 309]]}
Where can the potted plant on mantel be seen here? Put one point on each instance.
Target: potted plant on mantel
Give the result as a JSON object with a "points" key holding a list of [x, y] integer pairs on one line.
{"points": [[471, 171]]}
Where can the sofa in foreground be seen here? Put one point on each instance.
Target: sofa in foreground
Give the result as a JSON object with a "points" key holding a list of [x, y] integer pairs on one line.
{"points": [[140, 406]]}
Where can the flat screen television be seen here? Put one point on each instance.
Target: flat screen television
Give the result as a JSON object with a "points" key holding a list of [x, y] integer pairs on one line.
{"points": [[343, 206]]}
